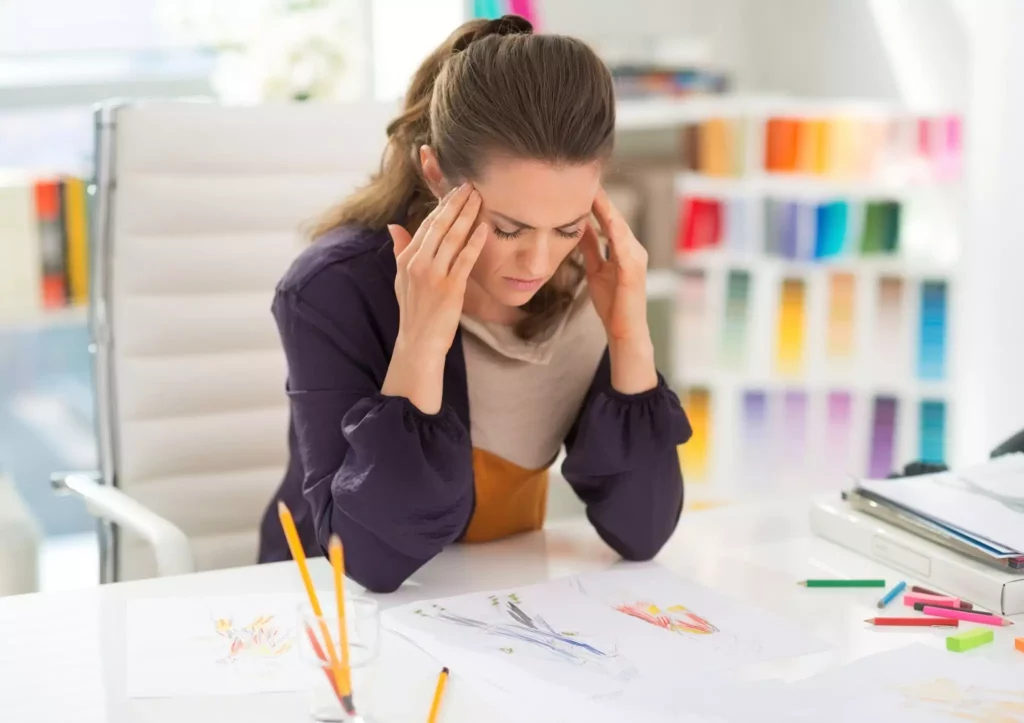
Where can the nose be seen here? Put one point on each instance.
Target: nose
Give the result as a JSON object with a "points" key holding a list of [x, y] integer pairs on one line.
{"points": [[534, 256]]}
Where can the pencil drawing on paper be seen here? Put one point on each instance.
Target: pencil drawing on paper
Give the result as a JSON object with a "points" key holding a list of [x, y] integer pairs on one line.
{"points": [[517, 631], [262, 639], [948, 700], [674, 618]]}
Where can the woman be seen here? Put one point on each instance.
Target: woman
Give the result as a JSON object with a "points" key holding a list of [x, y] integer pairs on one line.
{"points": [[440, 352]]}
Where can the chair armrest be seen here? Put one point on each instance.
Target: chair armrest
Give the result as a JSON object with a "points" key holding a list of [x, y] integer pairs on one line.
{"points": [[170, 545]]}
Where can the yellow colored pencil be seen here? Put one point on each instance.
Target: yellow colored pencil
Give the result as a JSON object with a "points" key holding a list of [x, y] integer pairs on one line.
{"points": [[435, 707], [291, 534], [338, 565]]}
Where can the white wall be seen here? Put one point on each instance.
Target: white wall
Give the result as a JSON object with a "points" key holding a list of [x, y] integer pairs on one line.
{"points": [[992, 349], [621, 24]]}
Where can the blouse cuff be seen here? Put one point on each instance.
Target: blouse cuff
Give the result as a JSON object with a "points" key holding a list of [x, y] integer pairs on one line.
{"points": [[620, 432]]}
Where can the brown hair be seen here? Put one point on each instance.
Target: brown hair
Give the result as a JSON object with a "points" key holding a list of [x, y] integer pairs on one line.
{"points": [[493, 87]]}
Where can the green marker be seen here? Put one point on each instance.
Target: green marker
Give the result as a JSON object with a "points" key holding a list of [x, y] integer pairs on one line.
{"points": [[963, 642], [842, 583]]}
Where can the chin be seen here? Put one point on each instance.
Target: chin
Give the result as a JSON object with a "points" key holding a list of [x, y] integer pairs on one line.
{"points": [[516, 298]]}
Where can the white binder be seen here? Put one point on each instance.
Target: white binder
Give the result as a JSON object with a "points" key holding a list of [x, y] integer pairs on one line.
{"points": [[934, 565]]}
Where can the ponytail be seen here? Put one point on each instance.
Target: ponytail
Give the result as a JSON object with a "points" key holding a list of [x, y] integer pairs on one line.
{"points": [[398, 192]]}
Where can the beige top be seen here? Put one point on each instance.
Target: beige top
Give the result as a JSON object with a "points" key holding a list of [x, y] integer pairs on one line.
{"points": [[525, 395]]}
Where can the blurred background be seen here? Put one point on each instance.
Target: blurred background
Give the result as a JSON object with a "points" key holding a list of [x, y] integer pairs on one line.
{"points": [[827, 189]]}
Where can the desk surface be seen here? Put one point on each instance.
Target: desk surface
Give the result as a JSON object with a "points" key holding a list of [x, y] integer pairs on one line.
{"points": [[756, 552]]}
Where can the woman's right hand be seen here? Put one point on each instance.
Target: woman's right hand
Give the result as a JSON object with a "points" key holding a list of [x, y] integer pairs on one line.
{"points": [[433, 267]]}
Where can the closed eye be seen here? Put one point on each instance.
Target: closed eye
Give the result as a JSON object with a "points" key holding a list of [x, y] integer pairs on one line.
{"points": [[500, 233]]}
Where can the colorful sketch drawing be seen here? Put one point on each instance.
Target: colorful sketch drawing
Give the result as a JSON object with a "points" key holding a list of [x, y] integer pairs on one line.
{"points": [[675, 618], [261, 639], [518, 627], [949, 699]]}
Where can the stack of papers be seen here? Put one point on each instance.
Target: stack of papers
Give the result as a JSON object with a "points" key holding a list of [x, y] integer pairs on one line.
{"points": [[627, 644], [639, 644], [981, 505]]}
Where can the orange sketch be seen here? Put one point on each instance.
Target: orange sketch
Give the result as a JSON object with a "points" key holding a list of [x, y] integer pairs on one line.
{"points": [[675, 618], [262, 638]]}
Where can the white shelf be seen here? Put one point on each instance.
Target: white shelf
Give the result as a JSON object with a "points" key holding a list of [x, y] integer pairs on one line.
{"points": [[741, 380], [880, 265], [634, 114], [39, 319], [800, 187], [637, 114]]}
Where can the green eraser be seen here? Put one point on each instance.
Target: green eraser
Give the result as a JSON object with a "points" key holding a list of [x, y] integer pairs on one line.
{"points": [[963, 642]]}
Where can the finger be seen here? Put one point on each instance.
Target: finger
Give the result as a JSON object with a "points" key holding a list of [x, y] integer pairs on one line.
{"points": [[443, 221], [466, 259], [622, 245], [400, 237], [604, 211], [590, 246], [424, 227], [458, 235]]}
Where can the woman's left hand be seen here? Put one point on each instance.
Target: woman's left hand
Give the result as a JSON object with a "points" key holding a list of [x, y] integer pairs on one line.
{"points": [[618, 288]]}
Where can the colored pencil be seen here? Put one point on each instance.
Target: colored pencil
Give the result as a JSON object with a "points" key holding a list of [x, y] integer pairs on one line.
{"points": [[891, 595], [921, 606], [435, 707], [919, 597], [337, 557], [917, 588], [842, 583], [966, 616], [914, 622], [291, 534], [322, 656]]}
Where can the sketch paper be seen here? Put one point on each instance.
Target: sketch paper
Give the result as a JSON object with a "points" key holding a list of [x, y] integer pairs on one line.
{"points": [[915, 684], [607, 642], [214, 646]]}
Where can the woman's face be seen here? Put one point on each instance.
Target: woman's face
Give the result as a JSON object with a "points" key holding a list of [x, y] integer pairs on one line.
{"points": [[536, 213]]}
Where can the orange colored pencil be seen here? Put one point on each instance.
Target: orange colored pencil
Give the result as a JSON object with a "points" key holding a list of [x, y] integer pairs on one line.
{"points": [[337, 556], [435, 707], [291, 534]]}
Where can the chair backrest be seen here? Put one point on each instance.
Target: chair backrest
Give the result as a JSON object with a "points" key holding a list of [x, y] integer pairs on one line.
{"points": [[200, 209]]}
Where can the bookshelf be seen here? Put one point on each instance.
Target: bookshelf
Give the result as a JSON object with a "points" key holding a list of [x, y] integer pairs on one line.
{"points": [[816, 269], [45, 245]]}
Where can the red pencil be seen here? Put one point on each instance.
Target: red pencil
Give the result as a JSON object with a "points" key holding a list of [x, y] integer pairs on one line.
{"points": [[915, 622], [320, 654]]}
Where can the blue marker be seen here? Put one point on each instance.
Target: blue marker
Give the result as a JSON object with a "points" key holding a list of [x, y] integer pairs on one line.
{"points": [[891, 595]]}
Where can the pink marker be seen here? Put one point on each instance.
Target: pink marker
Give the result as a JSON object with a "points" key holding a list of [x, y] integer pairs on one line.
{"points": [[968, 617], [918, 597]]}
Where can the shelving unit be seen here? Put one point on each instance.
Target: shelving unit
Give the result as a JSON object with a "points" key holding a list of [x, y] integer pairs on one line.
{"points": [[767, 425]]}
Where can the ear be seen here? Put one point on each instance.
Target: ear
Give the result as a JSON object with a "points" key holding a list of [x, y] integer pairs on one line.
{"points": [[432, 171]]}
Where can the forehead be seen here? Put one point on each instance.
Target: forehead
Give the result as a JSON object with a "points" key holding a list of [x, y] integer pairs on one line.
{"points": [[537, 193]]}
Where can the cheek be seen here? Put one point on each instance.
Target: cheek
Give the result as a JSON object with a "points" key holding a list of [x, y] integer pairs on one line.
{"points": [[562, 248], [491, 257]]}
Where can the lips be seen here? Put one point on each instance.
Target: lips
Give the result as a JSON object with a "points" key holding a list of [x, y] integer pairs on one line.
{"points": [[524, 284]]}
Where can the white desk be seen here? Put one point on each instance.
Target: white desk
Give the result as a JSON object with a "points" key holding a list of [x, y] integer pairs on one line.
{"points": [[755, 551]]}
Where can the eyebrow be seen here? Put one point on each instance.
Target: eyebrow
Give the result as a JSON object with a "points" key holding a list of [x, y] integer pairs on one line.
{"points": [[520, 224]]}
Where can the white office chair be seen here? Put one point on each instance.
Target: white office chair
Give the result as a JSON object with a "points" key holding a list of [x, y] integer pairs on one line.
{"points": [[199, 211]]}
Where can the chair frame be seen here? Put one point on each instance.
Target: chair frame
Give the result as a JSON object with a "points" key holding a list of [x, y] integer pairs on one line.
{"points": [[99, 489]]}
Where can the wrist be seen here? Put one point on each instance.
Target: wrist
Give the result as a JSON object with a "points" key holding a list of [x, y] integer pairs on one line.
{"points": [[416, 373], [632, 365]]}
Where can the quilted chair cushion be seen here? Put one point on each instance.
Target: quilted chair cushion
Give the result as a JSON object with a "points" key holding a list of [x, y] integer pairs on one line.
{"points": [[208, 209]]}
